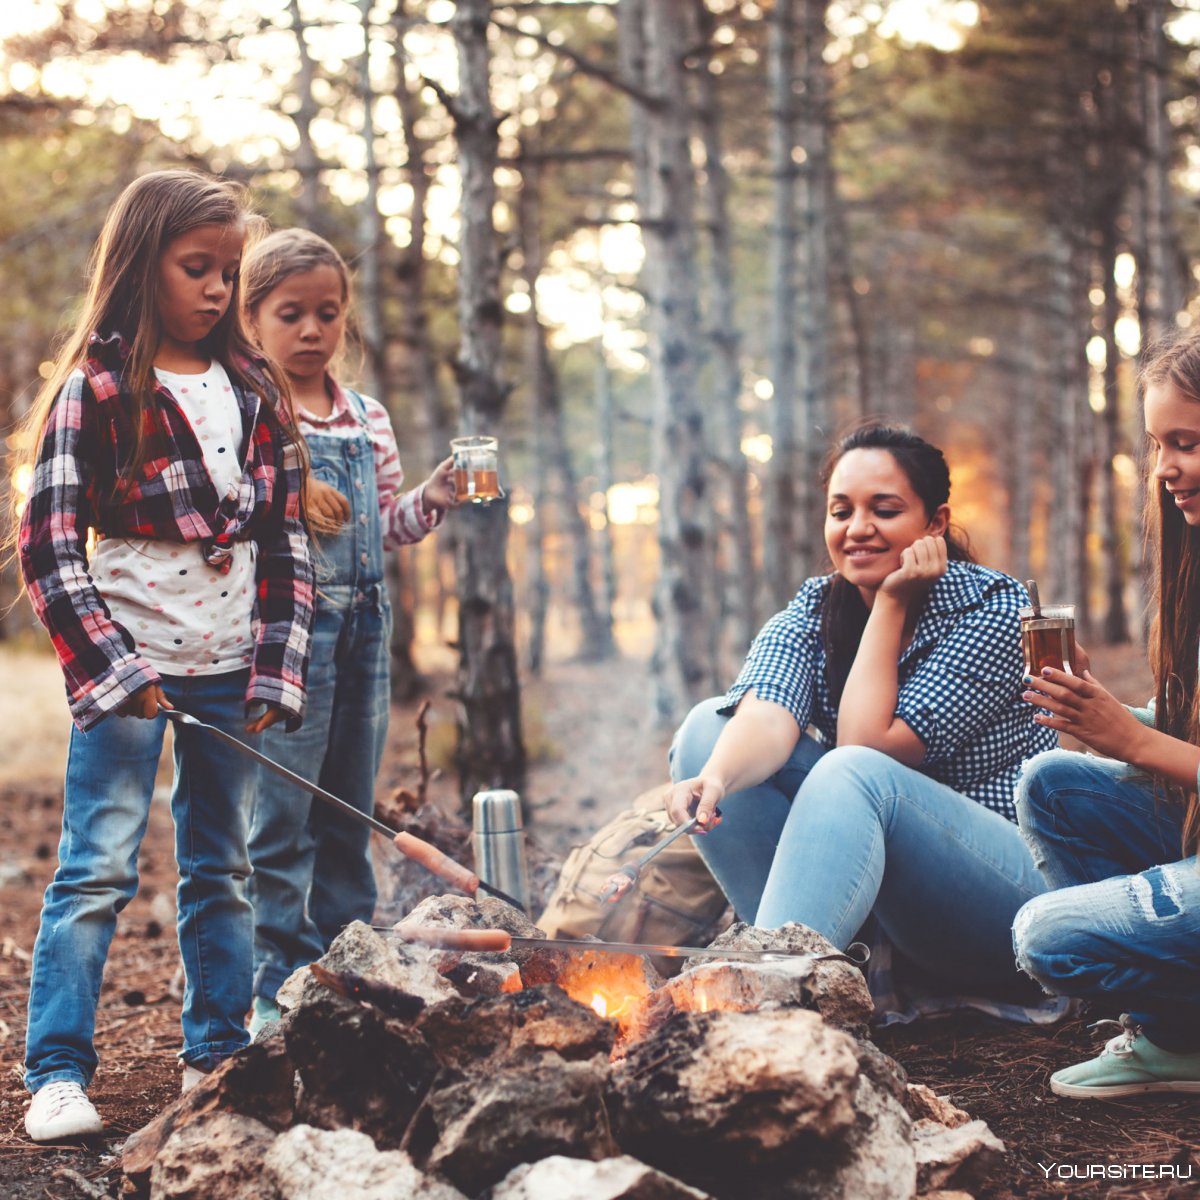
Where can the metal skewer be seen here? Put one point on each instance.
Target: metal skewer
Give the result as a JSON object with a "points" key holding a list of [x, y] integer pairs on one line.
{"points": [[619, 882], [411, 846]]}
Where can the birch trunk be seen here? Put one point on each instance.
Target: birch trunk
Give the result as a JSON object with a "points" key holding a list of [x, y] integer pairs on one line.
{"points": [[683, 670], [307, 163], [490, 751], [536, 367], [1113, 528], [1021, 449], [1069, 441], [1161, 288], [554, 454], [737, 557], [370, 243], [420, 362], [1160, 291], [780, 491], [816, 185], [604, 480]]}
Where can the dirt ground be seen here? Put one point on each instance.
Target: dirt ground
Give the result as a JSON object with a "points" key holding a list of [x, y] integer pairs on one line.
{"points": [[590, 731]]}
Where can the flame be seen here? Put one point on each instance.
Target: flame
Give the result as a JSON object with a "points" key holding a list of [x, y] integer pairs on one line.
{"points": [[599, 1005]]}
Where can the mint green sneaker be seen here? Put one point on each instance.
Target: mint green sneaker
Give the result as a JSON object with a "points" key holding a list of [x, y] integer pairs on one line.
{"points": [[1129, 1064], [265, 1011]]}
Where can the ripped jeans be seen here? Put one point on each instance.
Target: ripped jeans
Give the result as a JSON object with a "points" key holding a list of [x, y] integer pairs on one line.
{"points": [[1121, 925]]}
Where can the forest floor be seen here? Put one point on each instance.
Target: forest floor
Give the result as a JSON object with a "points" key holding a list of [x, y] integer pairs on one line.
{"points": [[593, 752]]}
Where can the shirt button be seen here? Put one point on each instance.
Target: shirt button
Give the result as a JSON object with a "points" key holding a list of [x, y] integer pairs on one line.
{"points": [[362, 518], [353, 448], [364, 557], [358, 484]]}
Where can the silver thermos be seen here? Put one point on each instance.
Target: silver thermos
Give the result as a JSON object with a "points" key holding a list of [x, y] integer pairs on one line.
{"points": [[499, 837]]}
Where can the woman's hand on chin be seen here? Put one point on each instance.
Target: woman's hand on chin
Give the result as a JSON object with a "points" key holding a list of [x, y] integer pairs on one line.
{"points": [[921, 565]]}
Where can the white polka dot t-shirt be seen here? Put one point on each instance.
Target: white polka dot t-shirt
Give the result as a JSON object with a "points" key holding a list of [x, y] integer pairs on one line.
{"points": [[186, 618]]}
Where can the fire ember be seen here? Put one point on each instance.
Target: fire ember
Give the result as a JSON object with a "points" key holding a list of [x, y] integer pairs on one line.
{"points": [[542, 1072]]}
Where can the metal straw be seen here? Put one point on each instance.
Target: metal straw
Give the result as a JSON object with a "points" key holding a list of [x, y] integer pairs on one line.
{"points": [[1031, 585]]}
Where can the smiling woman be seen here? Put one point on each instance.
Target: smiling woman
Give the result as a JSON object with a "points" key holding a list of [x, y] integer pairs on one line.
{"points": [[906, 662]]}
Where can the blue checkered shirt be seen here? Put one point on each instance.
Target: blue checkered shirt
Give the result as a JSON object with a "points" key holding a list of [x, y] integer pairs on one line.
{"points": [[959, 682]]}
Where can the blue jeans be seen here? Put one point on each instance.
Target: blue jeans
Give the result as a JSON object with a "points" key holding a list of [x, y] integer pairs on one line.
{"points": [[312, 864], [837, 835], [109, 783], [1122, 925]]}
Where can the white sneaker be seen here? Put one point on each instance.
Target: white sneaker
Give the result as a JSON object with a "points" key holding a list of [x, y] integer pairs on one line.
{"points": [[61, 1110]]}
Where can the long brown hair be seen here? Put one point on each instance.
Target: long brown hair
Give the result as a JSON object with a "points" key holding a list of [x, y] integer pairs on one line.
{"points": [[1174, 361], [844, 616], [122, 298]]}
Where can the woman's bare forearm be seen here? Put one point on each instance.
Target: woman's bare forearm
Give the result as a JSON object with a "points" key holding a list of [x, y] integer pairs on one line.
{"points": [[867, 710]]}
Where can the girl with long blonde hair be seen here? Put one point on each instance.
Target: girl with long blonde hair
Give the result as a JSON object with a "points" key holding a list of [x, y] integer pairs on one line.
{"points": [[1116, 837]]}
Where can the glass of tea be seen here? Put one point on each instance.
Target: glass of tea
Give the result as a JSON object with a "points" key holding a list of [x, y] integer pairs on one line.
{"points": [[1048, 637], [476, 469]]}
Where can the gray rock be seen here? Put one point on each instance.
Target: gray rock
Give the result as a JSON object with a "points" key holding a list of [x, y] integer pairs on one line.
{"points": [[712, 1098], [558, 1178], [359, 950], [256, 1082], [475, 1036], [315, 1164], [218, 1156], [836, 989], [475, 1131], [962, 1157]]}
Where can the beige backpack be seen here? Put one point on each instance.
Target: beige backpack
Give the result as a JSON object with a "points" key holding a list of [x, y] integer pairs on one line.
{"points": [[674, 902]]}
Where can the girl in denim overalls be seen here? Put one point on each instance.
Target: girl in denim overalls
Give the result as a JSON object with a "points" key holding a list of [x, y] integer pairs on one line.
{"points": [[312, 866], [1116, 838]]}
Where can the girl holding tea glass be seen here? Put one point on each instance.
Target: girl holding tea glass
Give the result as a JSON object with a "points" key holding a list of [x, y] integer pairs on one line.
{"points": [[907, 663], [312, 867], [1116, 837]]}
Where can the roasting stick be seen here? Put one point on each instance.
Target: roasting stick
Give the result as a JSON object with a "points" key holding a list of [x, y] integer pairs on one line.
{"points": [[483, 940], [411, 846]]}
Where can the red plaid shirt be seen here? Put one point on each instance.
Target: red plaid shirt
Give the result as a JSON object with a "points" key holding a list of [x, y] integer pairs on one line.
{"points": [[77, 485]]}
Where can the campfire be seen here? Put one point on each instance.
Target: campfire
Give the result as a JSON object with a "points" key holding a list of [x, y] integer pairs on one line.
{"points": [[404, 1069]]}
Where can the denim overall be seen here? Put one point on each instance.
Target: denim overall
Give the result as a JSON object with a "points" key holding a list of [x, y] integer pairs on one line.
{"points": [[312, 865]]}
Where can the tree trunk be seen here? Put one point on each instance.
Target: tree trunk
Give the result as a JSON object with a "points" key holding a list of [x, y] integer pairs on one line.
{"points": [[1023, 413], [490, 751], [843, 259], [1161, 290], [1113, 531], [665, 187], [780, 572], [307, 164], [740, 583], [816, 187], [605, 480], [554, 454], [419, 363], [405, 678], [536, 372]]}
